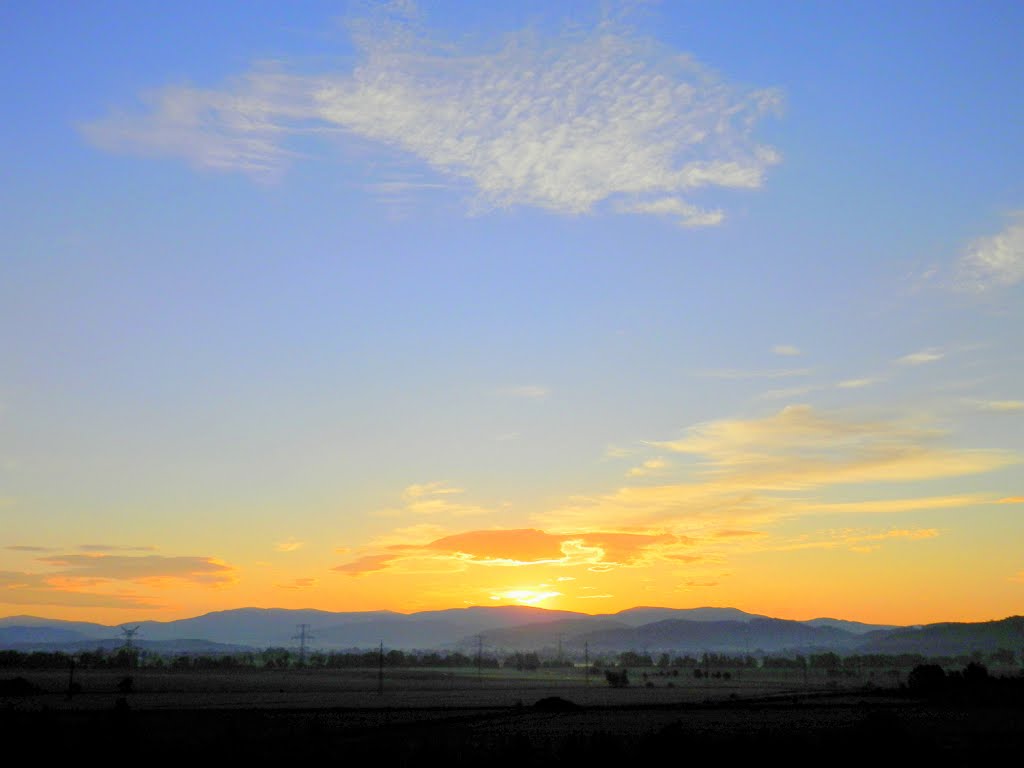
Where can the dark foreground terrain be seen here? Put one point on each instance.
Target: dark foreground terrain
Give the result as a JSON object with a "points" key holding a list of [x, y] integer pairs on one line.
{"points": [[494, 723]]}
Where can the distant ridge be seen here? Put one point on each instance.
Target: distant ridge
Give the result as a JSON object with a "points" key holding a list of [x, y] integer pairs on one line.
{"points": [[519, 628]]}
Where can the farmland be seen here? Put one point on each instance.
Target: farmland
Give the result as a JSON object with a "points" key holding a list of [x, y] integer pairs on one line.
{"points": [[502, 715]]}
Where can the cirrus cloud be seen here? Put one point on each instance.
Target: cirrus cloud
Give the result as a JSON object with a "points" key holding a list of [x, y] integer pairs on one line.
{"points": [[595, 115]]}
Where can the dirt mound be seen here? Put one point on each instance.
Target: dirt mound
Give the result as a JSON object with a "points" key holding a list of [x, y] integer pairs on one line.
{"points": [[556, 704]]}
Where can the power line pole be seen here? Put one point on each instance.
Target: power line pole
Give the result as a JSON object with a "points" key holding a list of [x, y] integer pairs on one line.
{"points": [[302, 636], [129, 633], [586, 661], [380, 669]]}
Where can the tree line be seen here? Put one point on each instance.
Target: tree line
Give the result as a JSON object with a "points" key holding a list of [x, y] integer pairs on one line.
{"points": [[282, 658]]}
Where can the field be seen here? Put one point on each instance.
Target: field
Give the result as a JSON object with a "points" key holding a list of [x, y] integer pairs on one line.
{"points": [[504, 717]]}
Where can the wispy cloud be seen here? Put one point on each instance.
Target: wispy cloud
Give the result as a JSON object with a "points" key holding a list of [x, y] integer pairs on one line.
{"points": [[434, 498], [18, 588], [756, 472], [291, 544], [115, 548], [300, 583], [786, 350], [649, 467], [929, 355], [993, 262], [1001, 406], [734, 373], [857, 383], [595, 115], [787, 393], [202, 570]]}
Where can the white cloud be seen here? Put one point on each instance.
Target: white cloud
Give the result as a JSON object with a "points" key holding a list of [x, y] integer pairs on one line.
{"points": [[786, 350], [598, 115], [1002, 406], [857, 383], [996, 261], [920, 358]]}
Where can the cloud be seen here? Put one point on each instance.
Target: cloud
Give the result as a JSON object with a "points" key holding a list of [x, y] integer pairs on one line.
{"points": [[596, 115], [1002, 406], [688, 215], [732, 373], [114, 548], [365, 564], [433, 498], [43, 589], [520, 546], [857, 383], [98, 567], [891, 506], [28, 548], [649, 467], [994, 262], [301, 583], [787, 393], [754, 472], [920, 358], [856, 540], [800, 447], [291, 544], [1011, 500], [422, 490], [529, 392], [785, 350]]}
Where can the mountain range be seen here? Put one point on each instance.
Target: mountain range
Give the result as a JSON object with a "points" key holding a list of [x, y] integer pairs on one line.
{"points": [[519, 628]]}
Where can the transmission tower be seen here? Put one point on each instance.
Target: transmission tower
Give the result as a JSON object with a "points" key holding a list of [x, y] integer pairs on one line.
{"points": [[586, 661], [128, 634], [380, 669], [303, 636]]}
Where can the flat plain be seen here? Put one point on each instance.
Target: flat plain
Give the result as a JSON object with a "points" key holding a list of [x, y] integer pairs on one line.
{"points": [[462, 716]]}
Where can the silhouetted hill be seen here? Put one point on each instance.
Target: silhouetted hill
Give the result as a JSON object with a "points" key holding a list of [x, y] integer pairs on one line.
{"points": [[636, 617], [856, 627], [522, 628], [680, 635], [948, 639], [548, 634]]}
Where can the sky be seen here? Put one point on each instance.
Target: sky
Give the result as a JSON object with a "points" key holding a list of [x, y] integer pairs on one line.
{"points": [[422, 305]]}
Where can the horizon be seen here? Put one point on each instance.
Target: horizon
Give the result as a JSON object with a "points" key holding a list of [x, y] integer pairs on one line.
{"points": [[412, 305], [753, 614]]}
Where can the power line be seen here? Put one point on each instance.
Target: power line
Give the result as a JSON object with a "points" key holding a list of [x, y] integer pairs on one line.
{"points": [[303, 636]]}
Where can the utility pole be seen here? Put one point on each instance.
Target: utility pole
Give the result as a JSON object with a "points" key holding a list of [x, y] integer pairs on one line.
{"points": [[380, 669], [129, 633], [303, 636], [586, 661]]}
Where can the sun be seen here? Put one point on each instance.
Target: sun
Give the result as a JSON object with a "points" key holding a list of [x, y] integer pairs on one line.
{"points": [[524, 596]]}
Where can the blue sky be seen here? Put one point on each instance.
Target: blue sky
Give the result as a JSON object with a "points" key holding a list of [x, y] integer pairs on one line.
{"points": [[289, 292]]}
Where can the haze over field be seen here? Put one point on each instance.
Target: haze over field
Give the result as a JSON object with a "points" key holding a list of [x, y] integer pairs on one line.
{"points": [[418, 305]]}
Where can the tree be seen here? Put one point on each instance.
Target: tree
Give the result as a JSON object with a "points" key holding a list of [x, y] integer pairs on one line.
{"points": [[617, 679], [927, 680]]}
